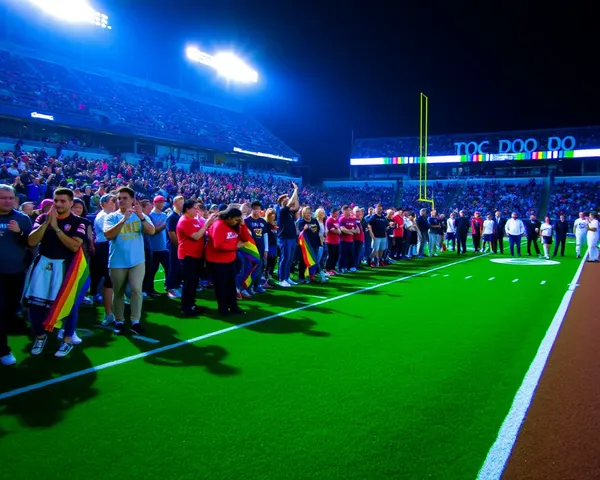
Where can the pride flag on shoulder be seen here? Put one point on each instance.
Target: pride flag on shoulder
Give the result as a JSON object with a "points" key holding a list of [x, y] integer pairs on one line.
{"points": [[308, 253], [252, 259], [75, 285]]}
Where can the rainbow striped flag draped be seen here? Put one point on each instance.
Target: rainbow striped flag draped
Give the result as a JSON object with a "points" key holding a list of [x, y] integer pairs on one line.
{"points": [[252, 257], [308, 254], [75, 285]]}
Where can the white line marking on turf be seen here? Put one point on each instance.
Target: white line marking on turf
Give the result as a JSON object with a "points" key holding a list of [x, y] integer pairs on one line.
{"points": [[543, 282], [317, 296], [446, 275], [435, 275], [303, 303], [138, 337], [166, 348], [491, 278], [515, 280], [470, 276], [498, 455]]}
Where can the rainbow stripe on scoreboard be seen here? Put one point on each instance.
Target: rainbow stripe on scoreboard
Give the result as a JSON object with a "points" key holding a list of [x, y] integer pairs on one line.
{"points": [[488, 157]]}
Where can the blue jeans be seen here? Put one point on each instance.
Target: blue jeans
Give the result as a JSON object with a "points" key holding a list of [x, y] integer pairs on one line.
{"points": [[512, 241], [287, 247], [37, 316]]}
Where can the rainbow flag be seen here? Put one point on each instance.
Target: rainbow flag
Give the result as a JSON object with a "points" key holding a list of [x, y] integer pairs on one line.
{"points": [[252, 257], [75, 285], [308, 254]]}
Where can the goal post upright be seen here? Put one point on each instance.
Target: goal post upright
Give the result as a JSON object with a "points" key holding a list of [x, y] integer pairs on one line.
{"points": [[424, 148]]}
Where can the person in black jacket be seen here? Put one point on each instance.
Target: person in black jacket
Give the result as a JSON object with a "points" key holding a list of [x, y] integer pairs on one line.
{"points": [[498, 238], [462, 224], [561, 228], [532, 228]]}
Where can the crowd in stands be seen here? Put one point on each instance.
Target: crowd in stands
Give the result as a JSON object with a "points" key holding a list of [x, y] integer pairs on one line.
{"points": [[522, 198], [41, 85], [569, 199]]}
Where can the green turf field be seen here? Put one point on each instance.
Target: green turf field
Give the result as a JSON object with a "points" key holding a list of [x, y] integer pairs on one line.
{"points": [[410, 377]]}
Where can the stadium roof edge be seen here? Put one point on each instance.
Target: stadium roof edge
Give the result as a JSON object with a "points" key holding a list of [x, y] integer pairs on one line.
{"points": [[467, 134]]}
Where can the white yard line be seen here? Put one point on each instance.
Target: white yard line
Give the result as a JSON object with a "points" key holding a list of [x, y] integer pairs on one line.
{"points": [[470, 276], [515, 280], [491, 278], [498, 455], [165, 348], [543, 282]]}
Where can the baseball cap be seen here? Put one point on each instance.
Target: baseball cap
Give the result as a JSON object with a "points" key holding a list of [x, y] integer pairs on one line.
{"points": [[106, 198], [159, 198], [45, 203]]}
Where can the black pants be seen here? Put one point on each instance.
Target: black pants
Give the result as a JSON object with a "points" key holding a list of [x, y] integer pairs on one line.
{"points": [[191, 269], [514, 241], [224, 281], [461, 239], [476, 241], [159, 258], [358, 253], [99, 268], [451, 240], [533, 240], [11, 289], [174, 275], [560, 241], [333, 256], [398, 249], [347, 255], [498, 243], [148, 283]]}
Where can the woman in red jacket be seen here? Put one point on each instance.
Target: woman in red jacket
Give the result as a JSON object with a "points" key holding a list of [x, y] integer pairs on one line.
{"points": [[225, 237]]}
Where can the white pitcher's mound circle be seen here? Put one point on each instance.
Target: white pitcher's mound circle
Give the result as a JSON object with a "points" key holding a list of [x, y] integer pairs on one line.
{"points": [[524, 261]]}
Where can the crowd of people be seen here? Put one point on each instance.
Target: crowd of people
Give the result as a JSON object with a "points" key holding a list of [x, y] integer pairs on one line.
{"points": [[569, 198], [41, 85], [240, 250]]}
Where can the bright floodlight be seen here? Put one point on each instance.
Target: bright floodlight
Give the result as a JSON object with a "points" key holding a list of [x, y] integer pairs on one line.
{"points": [[74, 11], [226, 64]]}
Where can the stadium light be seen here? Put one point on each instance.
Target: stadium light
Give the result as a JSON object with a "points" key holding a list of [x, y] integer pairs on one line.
{"points": [[226, 64], [73, 11]]}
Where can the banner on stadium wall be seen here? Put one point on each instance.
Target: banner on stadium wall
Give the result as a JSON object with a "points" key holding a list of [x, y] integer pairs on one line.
{"points": [[497, 157]]}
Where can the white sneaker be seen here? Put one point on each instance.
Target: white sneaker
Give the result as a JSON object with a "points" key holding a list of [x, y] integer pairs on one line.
{"points": [[284, 284], [174, 294], [87, 300], [8, 359], [64, 349], [291, 282], [38, 345], [74, 339]]}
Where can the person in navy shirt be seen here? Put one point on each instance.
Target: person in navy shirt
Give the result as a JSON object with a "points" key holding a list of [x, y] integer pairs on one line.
{"points": [[259, 229], [287, 235], [377, 225]]}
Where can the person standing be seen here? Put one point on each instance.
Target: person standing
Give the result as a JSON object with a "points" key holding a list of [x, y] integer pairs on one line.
{"points": [[476, 230], [15, 228], [546, 234], [173, 284], [434, 225], [158, 241], [332, 239], [423, 226], [359, 238], [190, 239], [286, 235], [377, 225], [348, 229], [593, 235], [451, 231], [125, 230], [561, 229], [60, 235], [462, 225], [498, 239], [398, 234], [258, 228], [309, 226], [580, 231], [225, 238], [488, 232], [533, 233], [514, 231], [99, 266]]}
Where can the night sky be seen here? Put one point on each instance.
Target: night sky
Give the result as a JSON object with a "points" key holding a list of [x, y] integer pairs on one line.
{"points": [[327, 68]]}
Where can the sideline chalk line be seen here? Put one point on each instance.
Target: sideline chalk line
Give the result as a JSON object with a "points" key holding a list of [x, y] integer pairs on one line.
{"points": [[499, 453]]}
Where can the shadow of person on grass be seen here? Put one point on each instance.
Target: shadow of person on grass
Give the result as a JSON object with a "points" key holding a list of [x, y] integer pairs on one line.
{"points": [[47, 406]]}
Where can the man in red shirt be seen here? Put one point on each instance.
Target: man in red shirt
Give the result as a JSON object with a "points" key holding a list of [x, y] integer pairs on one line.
{"points": [[398, 220], [476, 230], [332, 240], [190, 237]]}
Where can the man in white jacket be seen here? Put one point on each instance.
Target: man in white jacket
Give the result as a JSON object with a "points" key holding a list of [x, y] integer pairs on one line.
{"points": [[514, 231], [593, 235]]}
